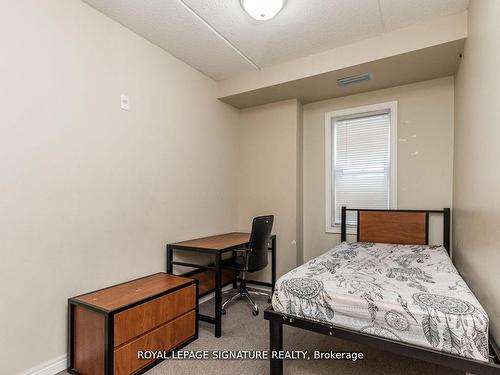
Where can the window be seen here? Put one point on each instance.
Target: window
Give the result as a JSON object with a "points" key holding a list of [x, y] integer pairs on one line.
{"points": [[360, 161]]}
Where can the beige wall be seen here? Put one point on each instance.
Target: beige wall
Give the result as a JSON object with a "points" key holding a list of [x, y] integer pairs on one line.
{"points": [[268, 180], [476, 214], [90, 194], [425, 125]]}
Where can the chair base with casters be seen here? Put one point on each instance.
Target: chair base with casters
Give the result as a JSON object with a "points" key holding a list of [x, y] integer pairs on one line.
{"points": [[250, 258], [245, 292]]}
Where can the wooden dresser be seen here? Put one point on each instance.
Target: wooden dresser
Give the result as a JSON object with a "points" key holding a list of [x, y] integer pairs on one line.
{"points": [[108, 328]]}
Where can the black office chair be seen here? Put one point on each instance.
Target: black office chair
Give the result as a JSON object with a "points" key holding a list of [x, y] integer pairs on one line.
{"points": [[250, 259]]}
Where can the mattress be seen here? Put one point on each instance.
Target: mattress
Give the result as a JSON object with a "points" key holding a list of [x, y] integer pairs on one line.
{"points": [[408, 293]]}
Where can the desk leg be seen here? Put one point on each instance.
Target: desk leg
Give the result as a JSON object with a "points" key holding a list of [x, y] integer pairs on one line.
{"points": [[170, 256], [218, 295], [273, 261], [236, 274]]}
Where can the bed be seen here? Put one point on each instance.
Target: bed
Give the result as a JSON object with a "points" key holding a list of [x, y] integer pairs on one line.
{"points": [[390, 288]]}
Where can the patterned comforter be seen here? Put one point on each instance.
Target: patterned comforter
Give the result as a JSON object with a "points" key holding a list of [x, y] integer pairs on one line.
{"points": [[409, 293]]}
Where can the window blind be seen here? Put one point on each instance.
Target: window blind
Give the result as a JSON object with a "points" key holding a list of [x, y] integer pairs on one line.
{"points": [[361, 163]]}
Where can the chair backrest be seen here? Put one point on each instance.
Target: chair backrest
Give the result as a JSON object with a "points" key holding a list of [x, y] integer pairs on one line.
{"points": [[259, 240]]}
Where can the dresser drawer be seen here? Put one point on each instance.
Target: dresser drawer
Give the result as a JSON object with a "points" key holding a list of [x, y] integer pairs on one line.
{"points": [[142, 318], [155, 312], [163, 338]]}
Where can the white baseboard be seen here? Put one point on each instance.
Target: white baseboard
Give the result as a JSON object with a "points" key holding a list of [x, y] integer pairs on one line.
{"points": [[211, 295], [52, 367]]}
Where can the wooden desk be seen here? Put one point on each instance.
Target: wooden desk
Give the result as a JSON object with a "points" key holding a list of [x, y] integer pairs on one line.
{"points": [[212, 277]]}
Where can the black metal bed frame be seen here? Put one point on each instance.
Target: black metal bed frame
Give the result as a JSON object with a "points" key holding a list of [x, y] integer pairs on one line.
{"points": [[446, 212], [277, 320]]}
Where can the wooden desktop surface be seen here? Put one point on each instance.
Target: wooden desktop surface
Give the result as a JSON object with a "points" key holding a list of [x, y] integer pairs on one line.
{"points": [[124, 294], [216, 243]]}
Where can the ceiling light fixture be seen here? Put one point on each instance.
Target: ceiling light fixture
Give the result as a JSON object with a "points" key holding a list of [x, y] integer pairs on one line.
{"points": [[262, 10]]}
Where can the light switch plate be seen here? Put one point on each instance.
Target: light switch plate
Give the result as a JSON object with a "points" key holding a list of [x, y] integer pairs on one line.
{"points": [[124, 102]]}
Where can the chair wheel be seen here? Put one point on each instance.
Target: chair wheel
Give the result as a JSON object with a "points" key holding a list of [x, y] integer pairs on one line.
{"points": [[255, 313], [223, 311]]}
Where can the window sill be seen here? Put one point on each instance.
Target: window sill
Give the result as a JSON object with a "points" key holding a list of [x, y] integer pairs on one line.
{"points": [[336, 230]]}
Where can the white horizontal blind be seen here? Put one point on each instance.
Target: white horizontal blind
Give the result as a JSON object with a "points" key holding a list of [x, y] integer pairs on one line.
{"points": [[361, 163]]}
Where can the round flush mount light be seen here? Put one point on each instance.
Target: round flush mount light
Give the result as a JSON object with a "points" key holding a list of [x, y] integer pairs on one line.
{"points": [[262, 10]]}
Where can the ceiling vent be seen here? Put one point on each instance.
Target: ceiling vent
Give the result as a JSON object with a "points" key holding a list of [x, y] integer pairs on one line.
{"points": [[354, 79]]}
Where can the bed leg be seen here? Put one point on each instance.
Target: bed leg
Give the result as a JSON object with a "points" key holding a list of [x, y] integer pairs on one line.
{"points": [[275, 345]]}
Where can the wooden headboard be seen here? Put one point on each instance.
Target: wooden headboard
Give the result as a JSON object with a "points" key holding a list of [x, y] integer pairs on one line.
{"points": [[406, 227]]}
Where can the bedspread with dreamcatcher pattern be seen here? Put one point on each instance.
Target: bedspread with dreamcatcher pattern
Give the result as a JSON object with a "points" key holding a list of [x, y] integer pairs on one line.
{"points": [[409, 293]]}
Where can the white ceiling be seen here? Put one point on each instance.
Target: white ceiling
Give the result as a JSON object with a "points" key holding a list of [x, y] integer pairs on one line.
{"points": [[185, 28]]}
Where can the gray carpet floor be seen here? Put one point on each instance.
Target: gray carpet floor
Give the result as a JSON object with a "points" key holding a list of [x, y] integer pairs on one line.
{"points": [[242, 331]]}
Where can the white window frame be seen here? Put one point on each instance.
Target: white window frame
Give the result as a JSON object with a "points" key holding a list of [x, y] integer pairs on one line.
{"points": [[393, 153]]}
